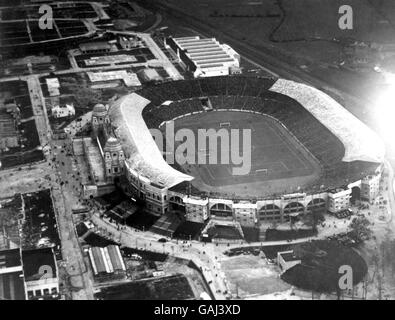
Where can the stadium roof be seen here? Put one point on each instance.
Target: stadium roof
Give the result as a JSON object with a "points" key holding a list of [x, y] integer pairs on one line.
{"points": [[360, 142], [202, 52], [195, 201], [141, 152]]}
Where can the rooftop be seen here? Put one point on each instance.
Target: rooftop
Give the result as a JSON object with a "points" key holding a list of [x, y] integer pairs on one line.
{"points": [[106, 260], [361, 142], [34, 260], [141, 152], [10, 259], [288, 256], [98, 45], [204, 52]]}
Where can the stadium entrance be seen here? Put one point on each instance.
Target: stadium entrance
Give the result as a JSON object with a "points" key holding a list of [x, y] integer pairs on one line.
{"points": [[176, 204], [221, 210], [355, 195]]}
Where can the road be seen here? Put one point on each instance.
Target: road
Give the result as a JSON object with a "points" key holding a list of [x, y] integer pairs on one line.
{"points": [[57, 169], [391, 191], [203, 255]]}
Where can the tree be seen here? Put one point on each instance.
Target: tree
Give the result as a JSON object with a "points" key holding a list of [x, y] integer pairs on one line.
{"points": [[84, 95], [360, 230], [313, 218]]}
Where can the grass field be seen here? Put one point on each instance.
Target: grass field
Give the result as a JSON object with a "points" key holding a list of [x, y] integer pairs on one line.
{"points": [[276, 156]]}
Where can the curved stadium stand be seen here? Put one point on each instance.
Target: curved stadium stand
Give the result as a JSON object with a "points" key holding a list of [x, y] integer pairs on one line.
{"points": [[253, 94]]}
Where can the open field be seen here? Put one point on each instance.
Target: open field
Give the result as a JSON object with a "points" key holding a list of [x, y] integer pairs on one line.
{"points": [[275, 155], [251, 275], [289, 22]]}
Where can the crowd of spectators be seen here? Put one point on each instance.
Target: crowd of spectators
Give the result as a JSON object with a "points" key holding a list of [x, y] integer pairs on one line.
{"points": [[173, 99]]}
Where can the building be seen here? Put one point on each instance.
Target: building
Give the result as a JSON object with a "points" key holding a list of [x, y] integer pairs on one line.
{"points": [[145, 175], [128, 43], [53, 86], [245, 213], [149, 74], [196, 210], [11, 275], [204, 57], [40, 273], [9, 137], [370, 187], [339, 199], [114, 158], [107, 260], [67, 110], [130, 79], [287, 259], [95, 47], [9, 120]]}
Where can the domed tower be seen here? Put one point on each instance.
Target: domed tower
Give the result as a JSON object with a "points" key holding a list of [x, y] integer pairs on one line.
{"points": [[114, 158], [99, 118]]}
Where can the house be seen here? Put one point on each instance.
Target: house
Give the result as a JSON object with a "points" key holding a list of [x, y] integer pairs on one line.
{"points": [[67, 110]]}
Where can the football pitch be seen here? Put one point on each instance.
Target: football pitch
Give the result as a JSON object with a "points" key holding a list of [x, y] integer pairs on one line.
{"points": [[276, 156]]}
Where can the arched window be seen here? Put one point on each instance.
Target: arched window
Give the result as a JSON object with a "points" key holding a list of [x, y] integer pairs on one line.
{"points": [[269, 212], [293, 207], [221, 210], [316, 204], [176, 204]]}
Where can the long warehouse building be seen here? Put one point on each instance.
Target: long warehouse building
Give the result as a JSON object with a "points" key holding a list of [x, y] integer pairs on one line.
{"points": [[205, 57]]}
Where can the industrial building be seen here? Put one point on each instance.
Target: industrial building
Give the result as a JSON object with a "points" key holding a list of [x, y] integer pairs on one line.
{"points": [[53, 86], [205, 57], [106, 260]]}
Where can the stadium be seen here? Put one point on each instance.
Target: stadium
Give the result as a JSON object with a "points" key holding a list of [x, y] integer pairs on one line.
{"points": [[307, 150]]}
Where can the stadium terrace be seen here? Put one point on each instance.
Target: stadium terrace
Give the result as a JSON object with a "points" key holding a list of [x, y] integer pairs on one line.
{"points": [[337, 158]]}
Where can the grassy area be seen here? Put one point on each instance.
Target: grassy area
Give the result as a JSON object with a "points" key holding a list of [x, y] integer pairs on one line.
{"points": [[141, 220], [251, 234], [188, 229], [321, 260], [277, 235]]}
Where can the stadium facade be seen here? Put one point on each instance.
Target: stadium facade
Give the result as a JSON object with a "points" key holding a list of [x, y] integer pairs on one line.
{"points": [[350, 153]]}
